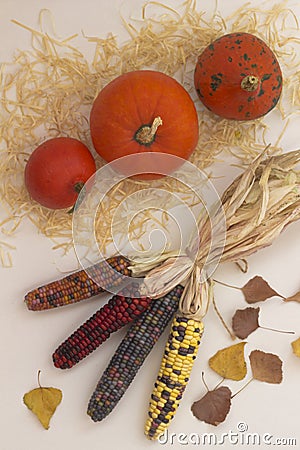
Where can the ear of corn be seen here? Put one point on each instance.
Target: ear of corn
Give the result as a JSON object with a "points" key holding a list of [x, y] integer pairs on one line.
{"points": [[78, 285], [131, 353], [120, 310], [177, 362]]}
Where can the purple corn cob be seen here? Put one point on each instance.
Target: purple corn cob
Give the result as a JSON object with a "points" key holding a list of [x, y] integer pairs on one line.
{"points": [[131, 353]]}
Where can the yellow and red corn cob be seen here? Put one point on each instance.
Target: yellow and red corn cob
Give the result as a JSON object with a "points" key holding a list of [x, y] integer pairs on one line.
{"points": [[177, 362], [78, 285], [131, 353], [120, 310]]}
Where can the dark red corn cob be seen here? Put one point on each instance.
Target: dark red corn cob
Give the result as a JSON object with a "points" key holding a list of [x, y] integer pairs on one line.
{"points": [[120, 310], [78, 285], [131, 353]]}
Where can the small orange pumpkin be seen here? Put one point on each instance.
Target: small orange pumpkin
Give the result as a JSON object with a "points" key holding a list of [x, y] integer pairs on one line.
{"points": [[144, 111], [238, 77]]}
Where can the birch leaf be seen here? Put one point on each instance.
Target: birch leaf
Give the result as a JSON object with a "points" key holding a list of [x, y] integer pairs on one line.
{"points": [[230, 362], [214, 406], [43, 402], [266, 367], [296, 347], [245, 321], [257, 289]]}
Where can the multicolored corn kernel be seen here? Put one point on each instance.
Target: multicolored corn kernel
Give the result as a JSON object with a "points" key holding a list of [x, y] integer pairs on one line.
{"points": [[78, 285], [131, 354], [177, 362], [120, 310]]}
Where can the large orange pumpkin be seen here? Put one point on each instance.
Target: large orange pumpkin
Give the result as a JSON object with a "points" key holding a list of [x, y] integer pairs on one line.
{"points": [[144, 111], [238, 77]]}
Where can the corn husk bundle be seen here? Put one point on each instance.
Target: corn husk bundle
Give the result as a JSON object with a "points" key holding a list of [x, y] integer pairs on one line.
{"points": [[257, 206]]}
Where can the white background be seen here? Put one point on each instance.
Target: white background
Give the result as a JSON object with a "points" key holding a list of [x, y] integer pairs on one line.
{"points": [[28, 339]]}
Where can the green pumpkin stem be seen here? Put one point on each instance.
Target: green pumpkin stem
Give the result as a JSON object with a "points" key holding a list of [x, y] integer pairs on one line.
{"points": [[250, 83], [145, 135]]}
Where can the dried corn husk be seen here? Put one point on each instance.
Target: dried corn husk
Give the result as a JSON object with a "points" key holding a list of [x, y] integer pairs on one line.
{"points": [[257, 206]]}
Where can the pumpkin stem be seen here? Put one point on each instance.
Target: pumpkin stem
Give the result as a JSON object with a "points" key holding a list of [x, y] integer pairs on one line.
{"points": [[250, 83], [146, 134], [77, 188]]}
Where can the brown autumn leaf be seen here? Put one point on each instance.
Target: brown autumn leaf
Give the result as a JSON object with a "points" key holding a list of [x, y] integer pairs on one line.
{"points": [[296, 347], [257, 290], [43, 402], [230, 362], [245, 321], [293, 298], [214, 406], [266, 367]]}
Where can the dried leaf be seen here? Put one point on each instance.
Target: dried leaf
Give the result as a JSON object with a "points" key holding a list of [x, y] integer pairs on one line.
{"points": [[245, 321], [296, 347], [43, 402], [266, 367], [257, 290], [214, 406], [293, 298], [230, 362]]}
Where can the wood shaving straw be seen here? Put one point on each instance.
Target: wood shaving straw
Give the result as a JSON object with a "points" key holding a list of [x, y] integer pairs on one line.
{"points": [[258, 205], [48, 90]]}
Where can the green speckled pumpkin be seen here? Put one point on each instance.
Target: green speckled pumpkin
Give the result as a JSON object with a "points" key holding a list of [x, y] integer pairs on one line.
{"points": [[238, 77]]}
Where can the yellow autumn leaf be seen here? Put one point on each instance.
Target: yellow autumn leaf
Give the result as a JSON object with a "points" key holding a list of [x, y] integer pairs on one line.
{"points": [[230, 362], [296, 347], [43, 402]]}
